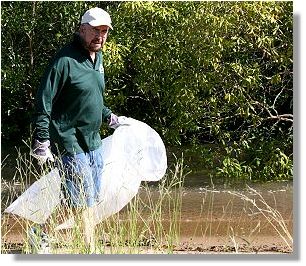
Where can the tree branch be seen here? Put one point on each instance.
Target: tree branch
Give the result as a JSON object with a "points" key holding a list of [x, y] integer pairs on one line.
{"points": [[284, 117]]}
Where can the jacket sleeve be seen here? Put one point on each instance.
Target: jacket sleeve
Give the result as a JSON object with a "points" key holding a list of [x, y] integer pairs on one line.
{"points": [[106, 112], [52, 82]]}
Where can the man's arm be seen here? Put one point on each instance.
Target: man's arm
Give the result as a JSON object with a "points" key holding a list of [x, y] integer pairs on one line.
{"points": [[52, 83]]}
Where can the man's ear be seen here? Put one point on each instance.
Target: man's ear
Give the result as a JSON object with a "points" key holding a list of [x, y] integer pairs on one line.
{"points": [[82, 28]]}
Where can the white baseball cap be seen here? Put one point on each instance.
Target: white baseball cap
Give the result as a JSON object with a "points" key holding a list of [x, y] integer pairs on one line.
{"points": [[97, 17]]}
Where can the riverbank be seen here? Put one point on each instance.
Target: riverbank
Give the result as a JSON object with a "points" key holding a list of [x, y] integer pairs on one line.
{"points": [[211, 221], [14, 243]]}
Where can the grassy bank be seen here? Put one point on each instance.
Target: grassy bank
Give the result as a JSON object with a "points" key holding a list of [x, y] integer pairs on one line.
{"points": [[160, 219]]}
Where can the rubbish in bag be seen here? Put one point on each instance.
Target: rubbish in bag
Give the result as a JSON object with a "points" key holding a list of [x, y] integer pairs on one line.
{"points": [[133, 153]]}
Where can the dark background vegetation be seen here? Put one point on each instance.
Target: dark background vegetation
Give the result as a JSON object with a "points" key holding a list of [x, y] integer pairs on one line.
{"points": [[214, 79]]}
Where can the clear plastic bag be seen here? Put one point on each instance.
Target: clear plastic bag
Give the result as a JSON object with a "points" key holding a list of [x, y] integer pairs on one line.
{"points": [[133, 153], [39, 200]]}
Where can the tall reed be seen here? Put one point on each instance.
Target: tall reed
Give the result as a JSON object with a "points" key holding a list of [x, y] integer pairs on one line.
{"points": [[140, 227], [151, 222], [271, 215]]}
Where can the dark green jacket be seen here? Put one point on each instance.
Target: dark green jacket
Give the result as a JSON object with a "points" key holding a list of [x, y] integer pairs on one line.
{"points": [[69, 104]]}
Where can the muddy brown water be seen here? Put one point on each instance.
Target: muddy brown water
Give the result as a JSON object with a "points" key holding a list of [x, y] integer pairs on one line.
{"points": [[254, 210]]}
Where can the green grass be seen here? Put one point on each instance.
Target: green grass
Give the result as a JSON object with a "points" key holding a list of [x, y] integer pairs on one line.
{"points": [[138, 226], [151, 222]]}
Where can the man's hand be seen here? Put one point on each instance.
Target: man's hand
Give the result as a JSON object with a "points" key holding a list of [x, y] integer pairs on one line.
{"points": [[113, 121], [41, 152]]}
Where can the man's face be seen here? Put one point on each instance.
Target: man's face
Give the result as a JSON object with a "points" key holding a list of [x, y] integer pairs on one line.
{"points": [[93, 37]]}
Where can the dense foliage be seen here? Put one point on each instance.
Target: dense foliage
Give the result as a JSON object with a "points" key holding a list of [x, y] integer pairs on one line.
{"points": [[198, 72]]}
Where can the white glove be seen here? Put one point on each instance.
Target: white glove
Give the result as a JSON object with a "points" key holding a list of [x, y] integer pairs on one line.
{"points": [[42, 152], [113, 121]]}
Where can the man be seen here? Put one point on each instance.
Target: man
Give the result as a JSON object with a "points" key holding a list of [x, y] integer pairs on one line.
{"points": [[69, 113]]}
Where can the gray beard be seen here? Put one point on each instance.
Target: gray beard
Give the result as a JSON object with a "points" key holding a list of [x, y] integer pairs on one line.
{"points": [[86, 46]]}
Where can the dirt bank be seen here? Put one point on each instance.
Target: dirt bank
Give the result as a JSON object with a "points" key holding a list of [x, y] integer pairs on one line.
{"points": [[210, 222]]}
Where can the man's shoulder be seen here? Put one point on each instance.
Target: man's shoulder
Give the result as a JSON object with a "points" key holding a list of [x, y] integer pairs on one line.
{"points": [[66, 51], [66, 54]]}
